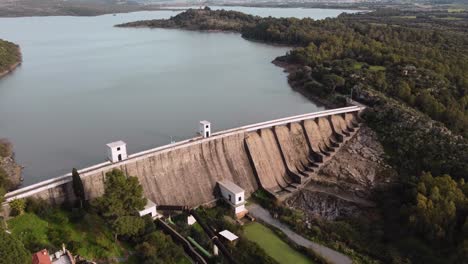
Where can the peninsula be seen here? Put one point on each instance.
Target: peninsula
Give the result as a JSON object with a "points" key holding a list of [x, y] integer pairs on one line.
{"points": [[10, 57]]}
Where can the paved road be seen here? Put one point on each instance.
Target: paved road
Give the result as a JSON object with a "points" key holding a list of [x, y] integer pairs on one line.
{"points": [[331, 255]]}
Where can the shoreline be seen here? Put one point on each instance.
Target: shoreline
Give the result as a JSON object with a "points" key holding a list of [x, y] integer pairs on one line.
{"points": [[14, 65], [8, 163], [290, 68]]}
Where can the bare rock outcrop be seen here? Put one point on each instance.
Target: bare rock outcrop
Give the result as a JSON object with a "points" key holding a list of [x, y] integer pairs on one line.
{"points": [[8, 164], [344, 185]]}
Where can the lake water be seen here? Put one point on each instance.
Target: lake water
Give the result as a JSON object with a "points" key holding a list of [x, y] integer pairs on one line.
{"points": [[84, 83]]}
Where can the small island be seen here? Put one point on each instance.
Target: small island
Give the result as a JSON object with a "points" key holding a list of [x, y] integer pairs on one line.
{"points": [[10, 57]]}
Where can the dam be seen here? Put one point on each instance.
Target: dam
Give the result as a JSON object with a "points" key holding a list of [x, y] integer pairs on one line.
{"points": [[278, 156]]}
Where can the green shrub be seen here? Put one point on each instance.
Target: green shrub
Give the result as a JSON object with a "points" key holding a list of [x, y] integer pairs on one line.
{"points": [[17, 206], [37, 206], [12, 250]]}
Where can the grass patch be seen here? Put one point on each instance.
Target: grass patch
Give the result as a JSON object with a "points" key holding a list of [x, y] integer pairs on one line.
{"points": [[377, 68], [406, 17], [456, 10], [28, 227], [88, 237], [358, 65], [273, 245]]}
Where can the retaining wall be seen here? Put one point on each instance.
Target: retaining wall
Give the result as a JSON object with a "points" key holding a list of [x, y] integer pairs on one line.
{"points": [[276, 155]]}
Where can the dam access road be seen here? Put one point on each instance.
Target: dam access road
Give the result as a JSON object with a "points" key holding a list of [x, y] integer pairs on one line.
{"points": [[331, 255]]}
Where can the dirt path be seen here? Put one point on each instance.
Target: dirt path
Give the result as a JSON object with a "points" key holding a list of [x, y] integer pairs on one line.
{"points": [[331, 255]]}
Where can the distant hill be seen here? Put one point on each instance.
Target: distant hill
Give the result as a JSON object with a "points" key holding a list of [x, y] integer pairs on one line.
{"points": [[15, 8]]}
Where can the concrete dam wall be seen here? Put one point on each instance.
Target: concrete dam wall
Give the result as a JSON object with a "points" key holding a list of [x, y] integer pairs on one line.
{"points": [[278, 155]]}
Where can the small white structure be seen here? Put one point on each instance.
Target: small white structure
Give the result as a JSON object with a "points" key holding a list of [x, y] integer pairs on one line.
{"points": [[150, 209], [205, 129], [117, 151], [191, 220], [235, 196], [229, 236]]}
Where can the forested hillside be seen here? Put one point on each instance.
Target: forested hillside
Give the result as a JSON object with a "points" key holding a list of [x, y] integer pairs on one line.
{"points": [[411, 69], [9, 55]]}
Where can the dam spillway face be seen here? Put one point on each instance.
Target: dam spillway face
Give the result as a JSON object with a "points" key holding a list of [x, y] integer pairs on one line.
{"points": [[303, 147], [279, 156], [189, 175]]}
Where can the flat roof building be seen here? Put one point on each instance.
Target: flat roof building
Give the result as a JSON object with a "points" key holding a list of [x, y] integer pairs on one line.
{"points": [[117, 151], [150, 209], [228, 236], [235, 196]]}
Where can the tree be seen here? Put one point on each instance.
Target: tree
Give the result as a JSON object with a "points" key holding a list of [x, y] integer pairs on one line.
{"points": [[78, 187], [333, 81], [159, 248], [122, 199], [12, 250], [2, 194], [18, 206], [438, 207], [128, 225]]}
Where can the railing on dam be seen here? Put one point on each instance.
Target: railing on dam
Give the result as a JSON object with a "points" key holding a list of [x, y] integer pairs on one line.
{"points": [[61, 180]]}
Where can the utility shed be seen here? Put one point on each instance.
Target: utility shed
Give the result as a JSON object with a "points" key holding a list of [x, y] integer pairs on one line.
{"points": [[117, 151], [150, 209], [228, 235], [235, 196], [205, 129]]}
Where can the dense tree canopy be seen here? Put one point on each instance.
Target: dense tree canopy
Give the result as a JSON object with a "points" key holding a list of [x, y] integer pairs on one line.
{"points": [[157, 247], [438, 211], [12, 250], [122, 199], [9, 55]]}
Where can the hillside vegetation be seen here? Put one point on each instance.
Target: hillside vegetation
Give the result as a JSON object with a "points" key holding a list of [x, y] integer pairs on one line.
{"points": [[9, 55], [20, 8], [196, 19], [411, 69]]}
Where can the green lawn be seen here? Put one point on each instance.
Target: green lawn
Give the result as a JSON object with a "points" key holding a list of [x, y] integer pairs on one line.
{"points": [[377, 68], [273, 245], [406, 17], [90, 237], [358, 65]]}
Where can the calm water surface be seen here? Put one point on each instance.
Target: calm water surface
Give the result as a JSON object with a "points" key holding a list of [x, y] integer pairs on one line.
{"points": [[84, 83]]}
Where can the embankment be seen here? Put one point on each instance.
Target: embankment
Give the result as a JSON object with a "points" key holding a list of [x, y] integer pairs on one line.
{"points": [[275, 155]]}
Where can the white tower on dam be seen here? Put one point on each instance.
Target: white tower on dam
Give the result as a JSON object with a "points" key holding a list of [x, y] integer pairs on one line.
{"points": [[117, 151], [205, 129]]}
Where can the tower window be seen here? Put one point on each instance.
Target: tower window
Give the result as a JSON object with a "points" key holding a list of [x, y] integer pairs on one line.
{"points": [[118, 148]]}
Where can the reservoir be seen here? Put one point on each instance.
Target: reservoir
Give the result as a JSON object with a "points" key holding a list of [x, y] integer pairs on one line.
{"points": [[84, 83]]}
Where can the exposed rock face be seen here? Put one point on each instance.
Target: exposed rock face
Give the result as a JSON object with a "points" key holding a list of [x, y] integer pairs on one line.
{"points": [[8, 164], [343, 186], [322, 204]]}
